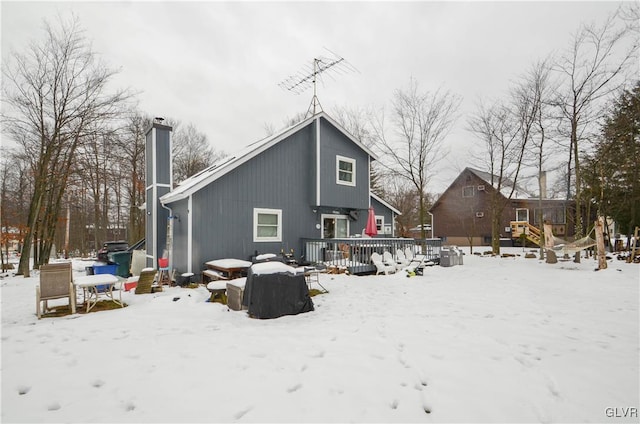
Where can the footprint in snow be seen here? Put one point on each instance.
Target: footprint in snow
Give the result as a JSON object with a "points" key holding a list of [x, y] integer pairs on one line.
{"points": [[242, 413], [294, 388], [53, 406], [426, 407], [23, 390], [97, 383]]}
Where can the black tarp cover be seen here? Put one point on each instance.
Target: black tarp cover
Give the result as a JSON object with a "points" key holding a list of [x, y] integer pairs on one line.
{"points": [[275, 294]]}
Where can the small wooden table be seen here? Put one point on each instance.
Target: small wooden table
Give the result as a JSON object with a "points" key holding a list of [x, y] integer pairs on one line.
{"points": [[229, 268], [91, 290]]}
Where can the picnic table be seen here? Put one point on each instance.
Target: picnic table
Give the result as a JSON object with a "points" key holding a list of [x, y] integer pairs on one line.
{"points": [[225, 269]]}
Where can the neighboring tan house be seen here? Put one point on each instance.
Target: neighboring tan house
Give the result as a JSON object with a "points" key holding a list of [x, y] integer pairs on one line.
{"points": [[462, 213], [309, 181]]}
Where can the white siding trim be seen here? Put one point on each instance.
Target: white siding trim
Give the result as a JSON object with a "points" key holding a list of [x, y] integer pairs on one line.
{"points": [[318, 161], [154, 197], [369, 179], [189, 233]]}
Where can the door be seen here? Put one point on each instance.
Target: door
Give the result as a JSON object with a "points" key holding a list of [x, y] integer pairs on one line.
{"points": [[335, 226]]}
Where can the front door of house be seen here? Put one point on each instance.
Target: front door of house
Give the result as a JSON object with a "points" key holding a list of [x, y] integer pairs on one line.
{"points": [[335, 226]]}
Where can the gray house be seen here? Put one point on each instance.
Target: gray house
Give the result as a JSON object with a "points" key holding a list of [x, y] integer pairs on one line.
{"points": [[309, 181]]}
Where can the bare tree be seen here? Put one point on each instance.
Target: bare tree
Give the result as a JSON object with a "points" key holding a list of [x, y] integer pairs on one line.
{"points": [[534, 92], [191, 152], [630, 14], [421, 122], [12, 192], [271, 129], [592, 68], [57, 96], [505, 131], [132, 145]]}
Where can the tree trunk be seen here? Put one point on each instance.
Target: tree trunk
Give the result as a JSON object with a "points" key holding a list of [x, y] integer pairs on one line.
{"points": [[495, 233], [602, 254], [551, 257], [25, 252]]}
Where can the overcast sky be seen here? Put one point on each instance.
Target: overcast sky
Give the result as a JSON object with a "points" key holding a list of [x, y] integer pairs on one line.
{"points": [[218, 64]]}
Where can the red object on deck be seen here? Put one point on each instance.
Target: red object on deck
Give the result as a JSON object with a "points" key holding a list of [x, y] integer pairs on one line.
{"points": [[371, 229]]}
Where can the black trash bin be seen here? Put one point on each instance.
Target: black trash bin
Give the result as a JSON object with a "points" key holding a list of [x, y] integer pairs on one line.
{"points": [[185, 279]]}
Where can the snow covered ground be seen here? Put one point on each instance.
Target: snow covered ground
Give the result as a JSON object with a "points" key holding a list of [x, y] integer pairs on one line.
{"points": [[495, 340]]}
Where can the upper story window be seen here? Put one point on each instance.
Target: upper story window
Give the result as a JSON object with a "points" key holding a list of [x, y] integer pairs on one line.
{"points": [[468, 191], [345, 171], [267, 224]]}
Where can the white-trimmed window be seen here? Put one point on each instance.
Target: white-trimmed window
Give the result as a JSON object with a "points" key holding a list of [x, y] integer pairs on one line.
{"points": [[267, 224], [380, 223], [345, 171]]}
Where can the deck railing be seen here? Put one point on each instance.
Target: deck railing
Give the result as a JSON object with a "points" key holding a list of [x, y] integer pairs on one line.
{"points": [[354, 254]]}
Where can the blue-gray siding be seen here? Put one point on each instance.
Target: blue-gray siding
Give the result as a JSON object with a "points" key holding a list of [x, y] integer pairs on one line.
{"points": [[282, 177], [180, 233], [279, 178], [332, 194], [384, 211]]}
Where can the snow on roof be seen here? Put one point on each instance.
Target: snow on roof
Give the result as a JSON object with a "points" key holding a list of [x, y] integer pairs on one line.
{"points": [[225, 165], [272, 268], [507, 184]]}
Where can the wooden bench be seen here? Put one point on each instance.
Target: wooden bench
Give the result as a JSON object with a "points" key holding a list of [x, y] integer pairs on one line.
{"points": [[209, 275]]}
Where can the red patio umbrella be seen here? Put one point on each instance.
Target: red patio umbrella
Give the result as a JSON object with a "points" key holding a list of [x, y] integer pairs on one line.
{"points": [[371, 229]]}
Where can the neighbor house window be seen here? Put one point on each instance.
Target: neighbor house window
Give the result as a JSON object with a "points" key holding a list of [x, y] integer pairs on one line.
{"points": [[345, 171], [522, 215], [555, 215], [468, 191], [379, 223], [267, 224]]}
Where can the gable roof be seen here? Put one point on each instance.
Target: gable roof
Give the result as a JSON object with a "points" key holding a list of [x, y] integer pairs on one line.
{"points": [[384, 203], [507, 184], [519, 193], [226, 165]]}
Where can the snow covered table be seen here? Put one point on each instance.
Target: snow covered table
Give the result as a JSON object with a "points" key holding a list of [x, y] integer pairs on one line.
{"points": [[95, 285], [226, 269]]}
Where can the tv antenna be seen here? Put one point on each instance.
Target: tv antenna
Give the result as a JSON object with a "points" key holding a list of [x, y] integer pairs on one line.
{"points": [[308, 76]]}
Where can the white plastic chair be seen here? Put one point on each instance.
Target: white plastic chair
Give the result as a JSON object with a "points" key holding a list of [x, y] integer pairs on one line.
{"points": [[381, 267], [401, 259], [388, 260]]}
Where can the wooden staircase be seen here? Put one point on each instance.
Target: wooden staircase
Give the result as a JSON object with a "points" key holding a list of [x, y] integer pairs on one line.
{"points": [[531, 233]]}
